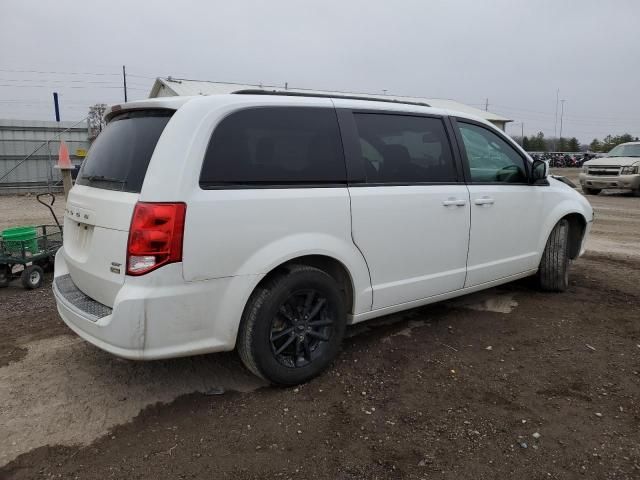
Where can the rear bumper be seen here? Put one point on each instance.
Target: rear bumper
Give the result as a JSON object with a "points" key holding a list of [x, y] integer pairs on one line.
{"points": [[159, 315], [601, 182]]}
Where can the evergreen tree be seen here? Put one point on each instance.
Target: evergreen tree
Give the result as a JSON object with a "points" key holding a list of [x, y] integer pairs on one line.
{"points": [[595, 145], [562, 144], [574, 145]]}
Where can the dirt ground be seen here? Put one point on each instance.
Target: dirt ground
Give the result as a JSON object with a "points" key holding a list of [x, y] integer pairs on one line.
{"points": [[507, 383], [18, 210]]}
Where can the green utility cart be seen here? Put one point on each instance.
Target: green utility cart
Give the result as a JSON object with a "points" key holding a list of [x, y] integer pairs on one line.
{"points": [[27, 251]]}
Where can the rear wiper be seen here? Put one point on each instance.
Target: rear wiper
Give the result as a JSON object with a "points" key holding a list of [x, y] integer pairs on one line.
{"points": [[102, 178]]}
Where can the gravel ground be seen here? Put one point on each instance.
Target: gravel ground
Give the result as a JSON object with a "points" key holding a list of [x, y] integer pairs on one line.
{"points": [[506, 383]]}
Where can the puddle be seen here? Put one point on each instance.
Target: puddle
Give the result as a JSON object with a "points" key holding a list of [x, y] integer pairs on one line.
{"points": [[406, 332], [67, 392]]}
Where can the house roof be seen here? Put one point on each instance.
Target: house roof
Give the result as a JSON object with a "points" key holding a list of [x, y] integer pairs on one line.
{"points": [[185, 87]]}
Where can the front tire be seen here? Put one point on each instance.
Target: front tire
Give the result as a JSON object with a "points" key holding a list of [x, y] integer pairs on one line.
{"points": [[292, 326], [553, 272], [591, 191]]}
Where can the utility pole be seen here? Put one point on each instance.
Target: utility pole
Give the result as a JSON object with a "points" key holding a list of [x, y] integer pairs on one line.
{"points": [[561, 115], [555, 124], [486, 105], [124, 80]]}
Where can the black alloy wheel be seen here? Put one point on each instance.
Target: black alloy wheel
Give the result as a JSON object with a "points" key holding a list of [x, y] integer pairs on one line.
{"points": [[301, 328]]}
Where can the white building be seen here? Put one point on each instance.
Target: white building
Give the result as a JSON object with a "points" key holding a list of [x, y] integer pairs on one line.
{"points": [[168, 87]]}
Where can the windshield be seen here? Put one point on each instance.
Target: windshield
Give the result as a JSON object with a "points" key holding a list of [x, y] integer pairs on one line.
{"points": [[119, 157], [626, 150]]}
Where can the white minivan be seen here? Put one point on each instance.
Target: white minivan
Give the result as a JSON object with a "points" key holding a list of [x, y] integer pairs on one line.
{"points": [[267, 222]]}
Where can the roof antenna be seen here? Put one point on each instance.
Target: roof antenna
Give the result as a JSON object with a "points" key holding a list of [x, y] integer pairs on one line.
{"points": [[286, 85], [384, 92]]}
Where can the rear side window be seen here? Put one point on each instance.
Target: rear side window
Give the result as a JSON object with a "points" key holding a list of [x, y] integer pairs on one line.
{"points": [[119, 157], [275, 146], [404, 149]]}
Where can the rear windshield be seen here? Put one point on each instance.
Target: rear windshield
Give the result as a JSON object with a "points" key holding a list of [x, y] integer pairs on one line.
{"points": [[119, 157]]}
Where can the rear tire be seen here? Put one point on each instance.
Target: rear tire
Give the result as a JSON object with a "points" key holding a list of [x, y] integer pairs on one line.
{"points": [[32, 277], [46, 265], [292, 326], [5, 276], [553, 272], [591, 191]]}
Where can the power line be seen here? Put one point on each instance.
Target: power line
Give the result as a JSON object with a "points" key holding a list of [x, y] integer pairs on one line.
{"points": [[60, 73], [69, 86], [141, 76], [79, 73], [599, 117], [91, 82]]}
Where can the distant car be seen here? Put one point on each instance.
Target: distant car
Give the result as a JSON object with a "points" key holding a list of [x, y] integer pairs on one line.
{"points": [[620, 168], [267, 223]]}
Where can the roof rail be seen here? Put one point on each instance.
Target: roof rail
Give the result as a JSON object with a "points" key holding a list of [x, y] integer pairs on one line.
{"points": [[326, 95]]}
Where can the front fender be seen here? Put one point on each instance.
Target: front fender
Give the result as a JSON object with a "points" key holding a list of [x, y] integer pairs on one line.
{"points": [[560, 210]]}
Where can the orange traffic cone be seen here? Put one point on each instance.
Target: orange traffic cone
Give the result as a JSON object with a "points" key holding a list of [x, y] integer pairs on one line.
{"points": [[64, 164], [64, 161]]}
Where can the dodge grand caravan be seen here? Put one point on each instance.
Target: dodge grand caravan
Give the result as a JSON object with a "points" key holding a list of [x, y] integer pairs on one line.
{"points": [[268, 222]]}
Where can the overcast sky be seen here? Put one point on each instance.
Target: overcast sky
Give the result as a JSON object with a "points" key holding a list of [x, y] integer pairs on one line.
{"points": [[516, 53]]}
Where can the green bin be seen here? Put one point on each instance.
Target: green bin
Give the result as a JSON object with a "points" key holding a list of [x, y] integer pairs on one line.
{"points": [[17, 237]]}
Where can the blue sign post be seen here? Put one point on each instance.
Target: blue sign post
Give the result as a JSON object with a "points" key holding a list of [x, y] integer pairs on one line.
{"points": [[56, 106]]}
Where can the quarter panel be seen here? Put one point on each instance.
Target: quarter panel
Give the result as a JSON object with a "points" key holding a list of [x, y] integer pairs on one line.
{"points": [[252, 231]]}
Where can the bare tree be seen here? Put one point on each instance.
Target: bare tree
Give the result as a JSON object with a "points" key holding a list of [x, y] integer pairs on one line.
{"points": [[96, 119]]}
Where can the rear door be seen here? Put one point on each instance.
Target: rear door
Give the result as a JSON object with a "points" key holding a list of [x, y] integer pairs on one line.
{"points": [[410, 207], [100, 205], [506, 210]]}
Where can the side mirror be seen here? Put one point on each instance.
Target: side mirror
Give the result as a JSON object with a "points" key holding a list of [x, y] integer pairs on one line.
{"points": [[540, 171]]}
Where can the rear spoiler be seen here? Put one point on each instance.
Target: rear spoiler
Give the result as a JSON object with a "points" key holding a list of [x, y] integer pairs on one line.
{"points": [[164, 103], [113, 112]]}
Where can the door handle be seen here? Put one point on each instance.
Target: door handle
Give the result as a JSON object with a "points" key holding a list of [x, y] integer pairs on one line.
{"points": [[454, 202], [484, 201]]}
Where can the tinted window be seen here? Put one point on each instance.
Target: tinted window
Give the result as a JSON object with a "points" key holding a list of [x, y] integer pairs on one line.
{"points": [[491, 159], [119, 157], [275, 146], [404, 149]]}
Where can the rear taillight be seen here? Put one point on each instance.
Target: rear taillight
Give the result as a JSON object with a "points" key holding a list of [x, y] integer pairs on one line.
{"points": [[155, 236]]}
